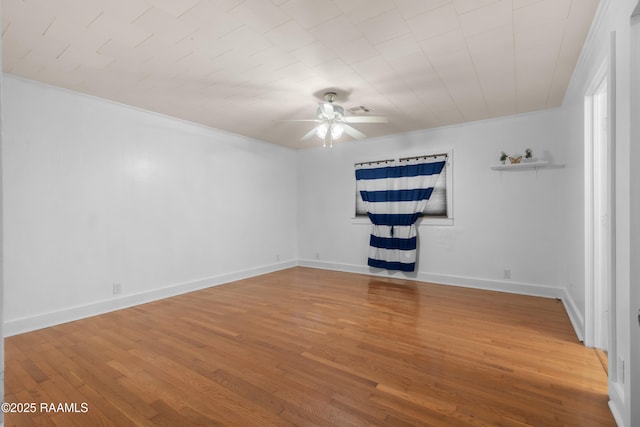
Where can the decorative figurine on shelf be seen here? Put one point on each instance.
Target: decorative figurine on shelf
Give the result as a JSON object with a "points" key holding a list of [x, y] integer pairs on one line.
{"points": [[503, 157], [528, 155], [515, 160]]}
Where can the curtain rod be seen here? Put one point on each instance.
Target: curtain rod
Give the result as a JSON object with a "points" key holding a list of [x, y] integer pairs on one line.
{"points": [[375, 162], [404, 159]]}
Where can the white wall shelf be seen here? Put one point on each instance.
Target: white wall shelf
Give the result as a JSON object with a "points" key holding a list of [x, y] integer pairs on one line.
{"points": [[526, 165]]}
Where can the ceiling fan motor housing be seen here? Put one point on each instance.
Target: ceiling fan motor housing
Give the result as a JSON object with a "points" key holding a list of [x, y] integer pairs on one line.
{"points": [[330, 112], [330, 96]]}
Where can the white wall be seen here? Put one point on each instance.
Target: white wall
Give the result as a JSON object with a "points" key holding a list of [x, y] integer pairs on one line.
{"points": [[503, 220], [613, 16], [97, 193]]}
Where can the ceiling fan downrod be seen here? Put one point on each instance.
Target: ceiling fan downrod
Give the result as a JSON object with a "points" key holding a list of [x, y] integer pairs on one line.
{"points": [[330, 97]]}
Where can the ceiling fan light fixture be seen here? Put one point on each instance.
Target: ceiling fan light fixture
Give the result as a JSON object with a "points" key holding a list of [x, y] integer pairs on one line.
{"points": [[321, 130], [336, 131]]}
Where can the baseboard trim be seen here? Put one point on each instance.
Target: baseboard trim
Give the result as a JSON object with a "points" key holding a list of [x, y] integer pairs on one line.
{"points": [[508, 286], [617, 414], [32, 323], [616, 402], [576, 318], [443, 279]]}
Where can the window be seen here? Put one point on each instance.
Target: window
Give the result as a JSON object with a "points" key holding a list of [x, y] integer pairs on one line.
{"points": [[439, 210]]}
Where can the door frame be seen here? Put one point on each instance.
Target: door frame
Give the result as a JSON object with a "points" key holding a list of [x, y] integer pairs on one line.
{"points": [[632, 388], [592, 164]]}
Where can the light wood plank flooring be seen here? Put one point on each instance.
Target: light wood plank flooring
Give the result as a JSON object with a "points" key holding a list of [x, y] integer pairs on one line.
{"points": [[309, 347]]}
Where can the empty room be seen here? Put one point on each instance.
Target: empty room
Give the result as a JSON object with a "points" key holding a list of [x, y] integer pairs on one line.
{"points": [[320, 213]]}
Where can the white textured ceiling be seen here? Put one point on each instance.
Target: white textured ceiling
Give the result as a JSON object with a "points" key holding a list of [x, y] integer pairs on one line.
{"points": [[240, 65]]}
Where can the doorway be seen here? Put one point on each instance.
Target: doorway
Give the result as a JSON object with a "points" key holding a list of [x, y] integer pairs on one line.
{"points": [[599, 265], [602, 219]]}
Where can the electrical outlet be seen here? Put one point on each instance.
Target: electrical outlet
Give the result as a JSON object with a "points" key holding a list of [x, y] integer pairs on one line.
{"points": [[506, 274], [117, 288], [277, 257], [317, 255]]}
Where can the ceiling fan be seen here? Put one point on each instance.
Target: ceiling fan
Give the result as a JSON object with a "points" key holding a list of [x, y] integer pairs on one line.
{"points": [[332, 122]]}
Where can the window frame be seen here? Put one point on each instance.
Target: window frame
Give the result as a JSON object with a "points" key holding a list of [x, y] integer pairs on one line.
{"points": [[424, 220]]}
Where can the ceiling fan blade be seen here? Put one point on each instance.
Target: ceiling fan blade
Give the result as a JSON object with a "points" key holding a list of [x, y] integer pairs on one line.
{"points": [[309, 134], [366, 119], [299, 120], [352, 132]]}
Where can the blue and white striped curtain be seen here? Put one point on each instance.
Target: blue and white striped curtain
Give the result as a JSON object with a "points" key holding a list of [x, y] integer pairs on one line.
{"points": [[395, 196]]}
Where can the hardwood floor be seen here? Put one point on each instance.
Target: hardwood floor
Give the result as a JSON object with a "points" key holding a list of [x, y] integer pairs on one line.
{"points": [[603, 357], [310, 347]]}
